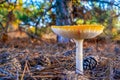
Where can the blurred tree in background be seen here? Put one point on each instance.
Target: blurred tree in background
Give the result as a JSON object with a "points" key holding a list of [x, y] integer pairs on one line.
{"points": [[39, 14], [100, 12], [90, 12]]}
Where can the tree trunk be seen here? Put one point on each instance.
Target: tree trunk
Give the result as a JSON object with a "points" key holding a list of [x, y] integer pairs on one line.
{"points": [[63, 15]]}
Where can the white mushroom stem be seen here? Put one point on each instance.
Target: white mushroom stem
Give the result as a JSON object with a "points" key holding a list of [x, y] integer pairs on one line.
{"points": [[79, 56]]}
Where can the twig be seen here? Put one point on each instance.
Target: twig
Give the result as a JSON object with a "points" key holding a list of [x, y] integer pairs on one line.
{"points": [[24, 70], [17, 75], [111, 69]]}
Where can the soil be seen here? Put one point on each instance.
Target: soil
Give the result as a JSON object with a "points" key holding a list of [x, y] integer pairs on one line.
{"points": [[30, 59]]}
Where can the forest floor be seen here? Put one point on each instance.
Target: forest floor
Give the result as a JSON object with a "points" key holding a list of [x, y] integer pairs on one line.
{"points": [[25, 59]]}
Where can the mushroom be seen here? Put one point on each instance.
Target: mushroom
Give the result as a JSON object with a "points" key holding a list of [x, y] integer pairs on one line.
{"points": [[78, 33]]}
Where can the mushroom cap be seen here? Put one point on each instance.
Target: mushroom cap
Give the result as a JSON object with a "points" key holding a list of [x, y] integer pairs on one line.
{"points": [[78, 31]]}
